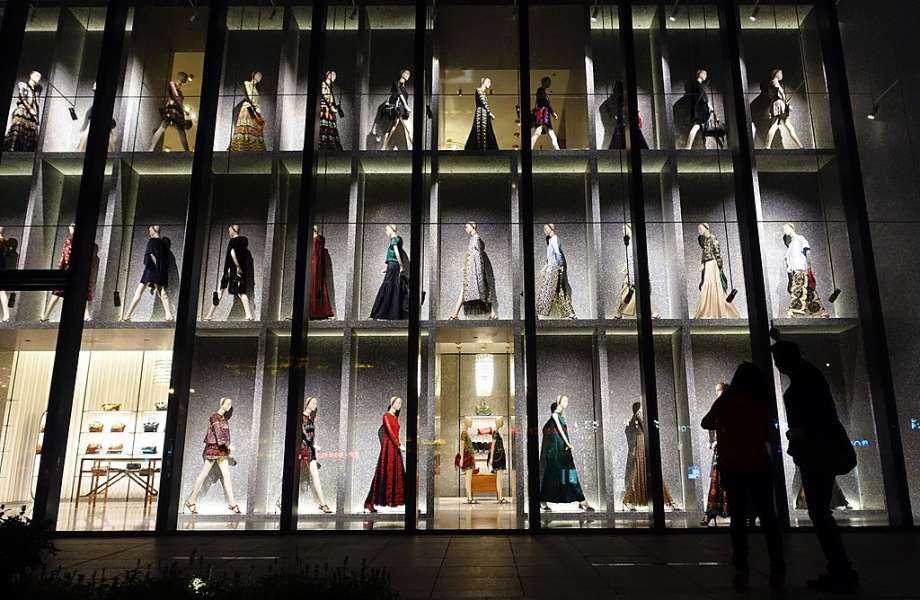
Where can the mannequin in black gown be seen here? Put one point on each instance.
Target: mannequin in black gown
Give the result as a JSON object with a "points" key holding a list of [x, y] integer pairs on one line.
{"points": [[482, 136]]}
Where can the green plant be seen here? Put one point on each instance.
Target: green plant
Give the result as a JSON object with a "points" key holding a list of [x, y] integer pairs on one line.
{"points": [[24, 546]]}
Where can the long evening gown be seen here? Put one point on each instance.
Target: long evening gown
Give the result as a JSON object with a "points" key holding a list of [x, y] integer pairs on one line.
{"points": [[478, 280], [388, 485], [559, 479], [636, 473], [482, 136], [320, 306], [390, 304]]}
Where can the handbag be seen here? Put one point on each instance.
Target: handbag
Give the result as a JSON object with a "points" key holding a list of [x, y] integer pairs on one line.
{"points": [[117, 427], [215, 298], [133, 466], [161, 404], [11, 303], [111, 406], [715, 128], [829, 452], [38, 449], [149, 450], [151, 426], [115, 449], [116, 298], [810, 277], [96, 427], [93, 448]]}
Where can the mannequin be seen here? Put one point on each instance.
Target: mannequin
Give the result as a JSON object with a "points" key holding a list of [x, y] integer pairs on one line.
{"points": [[717, 498], [779, 110], [249, 131], [497, 459], [699, 111], [399, 136], [64, 265], [156, 273], [482, 136], [543, 115], [174, 113], [627, 302], [329, 112], [390, 304], [217, 451], [713, 285], [7, 252], [801, 286], [478, 293], [388, 488], [308, 449], [555, 291], [22, 135], [466, 461], [320, 306], [84, 131], [559, 479], [615, 108], [237, 274], [636, 474]]}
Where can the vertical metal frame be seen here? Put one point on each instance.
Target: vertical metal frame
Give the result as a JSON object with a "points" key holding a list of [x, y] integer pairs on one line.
{"points": [[196, 225], [875, 340], [534, 522], [70, 331], [300, 325], [649, 384], [743, 174]]}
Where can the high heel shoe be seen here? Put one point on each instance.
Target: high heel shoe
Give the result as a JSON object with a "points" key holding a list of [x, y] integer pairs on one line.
{"points": [[235, 509], [705, 521], [370, 508], [192, 507], [325, 508]]}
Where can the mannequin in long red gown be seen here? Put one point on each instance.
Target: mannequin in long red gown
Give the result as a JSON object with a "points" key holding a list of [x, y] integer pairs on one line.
{"points": [[388, 485], [320, 306]]}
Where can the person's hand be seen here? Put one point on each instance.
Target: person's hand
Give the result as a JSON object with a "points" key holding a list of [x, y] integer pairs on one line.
{"points": [[491, 116], [402, 269], [402, 448], [384, 270], [230, 448], [795, 434], [555, 116], [569, 447]]}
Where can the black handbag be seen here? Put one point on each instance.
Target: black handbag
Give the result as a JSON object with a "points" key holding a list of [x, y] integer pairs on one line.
{"points": [[12, 301], [830, 452], [116, 298], [715, 129], [215, 298]]}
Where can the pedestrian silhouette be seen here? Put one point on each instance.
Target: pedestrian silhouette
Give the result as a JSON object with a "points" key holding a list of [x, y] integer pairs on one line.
{"points": [[742, 420], [819, 446]]}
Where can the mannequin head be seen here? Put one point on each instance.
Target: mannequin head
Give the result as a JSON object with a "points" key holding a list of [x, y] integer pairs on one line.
{"points": [[35, 77], [392, 231], [226, 405], [467, 423], [562, 401], [330, 76], [233, 231], [485, 83], [627, 233], [309, 407], [499, 423], [702, 75], [776, 75], [720, 388], [636, 408], [789, 229], [549, 229], [2, 229], [256, 77], [470, 227], [315, 230], [182, 77], [546, 82], [71, 228], [703, 229], [153, 231], [404, 75], [394, 405]]}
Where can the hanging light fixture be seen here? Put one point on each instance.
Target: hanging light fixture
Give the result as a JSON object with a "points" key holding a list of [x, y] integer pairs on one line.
{"points": [[484, 368], [753, 16], [594, 10], [673, 16]]}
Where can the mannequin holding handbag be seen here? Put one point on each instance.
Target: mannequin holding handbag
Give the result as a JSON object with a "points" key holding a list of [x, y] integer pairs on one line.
{"points": [[236, 276], [249, 131]]}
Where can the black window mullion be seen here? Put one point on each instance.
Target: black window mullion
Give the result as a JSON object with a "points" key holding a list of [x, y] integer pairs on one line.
{"points": [[12, 33]]}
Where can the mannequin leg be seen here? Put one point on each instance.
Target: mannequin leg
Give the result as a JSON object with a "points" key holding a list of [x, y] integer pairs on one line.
{"points": [[4, 300], [795, 138], [315, 482], [50, 302], [691, 137], [88, 311], [553, 138], [534, 136], [183, 139], [157, 135], [199, 482], [245, 299], [138, 292], [224, 467], [774, 127], [498, 486], [407, 129], [458, 306], [388, 137], [468, 484], [210, 314], [164, 299]]}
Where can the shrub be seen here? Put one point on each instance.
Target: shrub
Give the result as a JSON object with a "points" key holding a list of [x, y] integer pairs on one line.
{"points": [[24, 546]]}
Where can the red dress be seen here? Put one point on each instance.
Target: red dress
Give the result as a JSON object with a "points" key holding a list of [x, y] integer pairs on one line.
{"points": [[217, 439], [388, 486], [320, 307], [64, 265]]}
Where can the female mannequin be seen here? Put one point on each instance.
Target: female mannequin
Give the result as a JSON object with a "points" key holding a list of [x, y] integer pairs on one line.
{"points": [[803, 295], [22, 135], [249, 131], [636, 474], [700, 109], [320, 306], [64, 265], [555, 291], [174, 113], [559, 479], [156, 273], [618, 103], [779, 110], [329, 112], [482, 136], [466, 461], [237, 274], [390, 304], [217, 450], [388, 485], [308, 448], [497, 459], [478, 293], [627, 303], [399, 136], [716, 499], [543, 115], [713, 285], [84, 131], [7, 254]]}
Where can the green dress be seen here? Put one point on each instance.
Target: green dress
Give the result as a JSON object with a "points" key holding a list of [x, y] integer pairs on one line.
{"points": [[558, 477]]}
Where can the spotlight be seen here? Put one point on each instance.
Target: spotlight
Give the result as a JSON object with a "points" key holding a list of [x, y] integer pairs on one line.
{"points": [[877, 103], [834, 295], [874, 114], [755, 12], [594, 10], [354, 11], [73, 113], [731, 296], [673, 16]]}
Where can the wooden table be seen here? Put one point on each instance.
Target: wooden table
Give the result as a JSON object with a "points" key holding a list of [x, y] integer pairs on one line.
{"points": [[106, 471]]}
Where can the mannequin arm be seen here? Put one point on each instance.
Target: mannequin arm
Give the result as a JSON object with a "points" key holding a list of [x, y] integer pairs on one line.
{"points": [[390, 429], [235, 261], [559, 429]]}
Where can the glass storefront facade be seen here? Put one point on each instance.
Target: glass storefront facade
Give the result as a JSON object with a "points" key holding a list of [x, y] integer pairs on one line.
{"points": [[397, 265]]}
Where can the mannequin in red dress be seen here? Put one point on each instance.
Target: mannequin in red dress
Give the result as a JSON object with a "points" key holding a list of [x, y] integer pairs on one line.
{"points": [[320, 306], [388, 485]]}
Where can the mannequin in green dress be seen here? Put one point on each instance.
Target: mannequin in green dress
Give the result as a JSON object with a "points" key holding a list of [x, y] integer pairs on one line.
{"points": [[559, 479]]}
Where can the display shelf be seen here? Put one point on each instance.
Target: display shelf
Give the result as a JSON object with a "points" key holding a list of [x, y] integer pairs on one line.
{"points": [[792, 161]]}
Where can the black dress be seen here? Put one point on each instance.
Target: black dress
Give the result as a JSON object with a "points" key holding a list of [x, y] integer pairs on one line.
{"points": [[8, 253], [391, 301], [394, 108], [559, 479], [699, 114], [156, 264], [238, 280], [499, 461], [617, 104], [482, 136]]}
